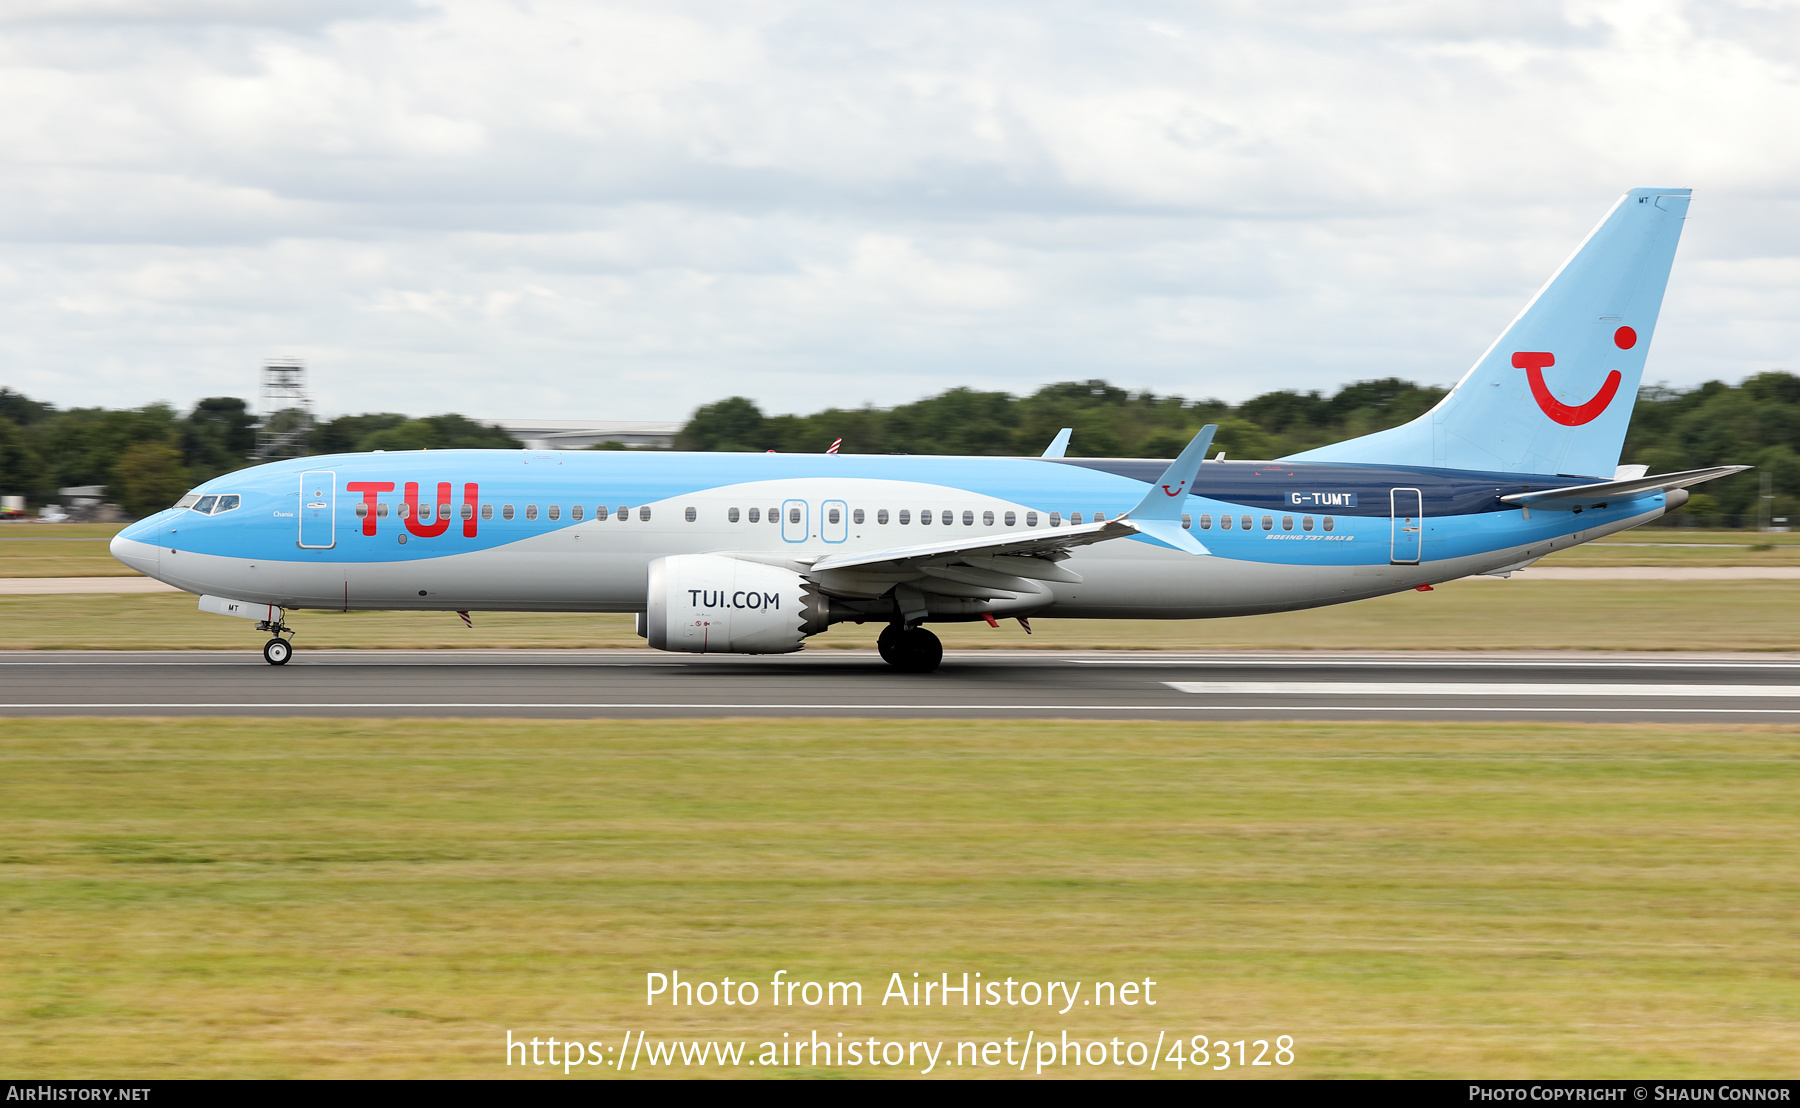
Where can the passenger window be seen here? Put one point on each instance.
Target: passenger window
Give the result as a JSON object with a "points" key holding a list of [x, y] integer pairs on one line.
{"points": [[531, 511], [468, 511], [1075, 519], [404, 511], [381, 510], [424, 512], [624, 513], [1056, 519], [487, 511], [731, 515], [1206, 522], [1287, 523], [205, 506], [1330, 524], [505, 513], [1244, 522], [856, 516], [925, 518], [555, 511], [793, 515], [1224, 522], [1187, 522], [1012, 519], [1031, 519], [945, 517], [226, 503], [688, 514], [362, 511], [1268, 523], [1099, 517], [575, 512], [755, 515], [644, 514], [905, 517], [969, 518], [831, 516], [1305, 523]]}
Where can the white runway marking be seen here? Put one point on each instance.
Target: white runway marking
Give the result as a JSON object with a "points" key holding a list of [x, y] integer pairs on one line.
{"points": [[1328, 660], [1474, 688]]}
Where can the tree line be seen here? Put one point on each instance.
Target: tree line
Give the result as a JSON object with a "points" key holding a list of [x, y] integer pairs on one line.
{"points": [[147, 457]]}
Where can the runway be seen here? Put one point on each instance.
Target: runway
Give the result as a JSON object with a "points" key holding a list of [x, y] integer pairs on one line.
{"points": [[971, 685]]}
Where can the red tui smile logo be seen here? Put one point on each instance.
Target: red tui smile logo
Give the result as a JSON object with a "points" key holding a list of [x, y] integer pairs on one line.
{"points": [[1534, 362]]}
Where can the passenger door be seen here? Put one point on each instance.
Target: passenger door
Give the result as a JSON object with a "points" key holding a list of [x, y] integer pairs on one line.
{"points": [[318, 510], [1408, 525]]}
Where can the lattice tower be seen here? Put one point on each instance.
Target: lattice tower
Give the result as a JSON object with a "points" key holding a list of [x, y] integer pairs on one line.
{"points": [[286, 410]]}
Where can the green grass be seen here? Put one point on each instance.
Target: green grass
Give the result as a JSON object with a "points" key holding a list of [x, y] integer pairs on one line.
{"points": [[388, 898], [59, 550], [1483, 613]]}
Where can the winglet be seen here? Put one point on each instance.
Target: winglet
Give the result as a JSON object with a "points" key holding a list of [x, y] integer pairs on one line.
{"points": [[1158, 515], [1169, 493], [1059, 445]]}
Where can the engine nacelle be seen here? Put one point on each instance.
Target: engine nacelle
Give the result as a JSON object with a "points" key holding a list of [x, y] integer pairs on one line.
{"points": [[710, 603]]}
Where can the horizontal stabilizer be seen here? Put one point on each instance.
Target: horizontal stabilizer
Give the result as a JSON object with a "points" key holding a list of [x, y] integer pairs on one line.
{"points": [[1577, 497]]}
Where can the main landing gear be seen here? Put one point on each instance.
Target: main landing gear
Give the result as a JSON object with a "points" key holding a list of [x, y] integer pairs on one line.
{"points": [[277, 650], [910, 649]]}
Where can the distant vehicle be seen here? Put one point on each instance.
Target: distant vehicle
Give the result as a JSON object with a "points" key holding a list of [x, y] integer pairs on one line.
{"points": [[11, 508], [755, 553], [51, 513]]}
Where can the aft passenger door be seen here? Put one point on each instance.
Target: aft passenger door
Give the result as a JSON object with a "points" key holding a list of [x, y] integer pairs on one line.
{"points": [[1408, 525], [318, 510]]}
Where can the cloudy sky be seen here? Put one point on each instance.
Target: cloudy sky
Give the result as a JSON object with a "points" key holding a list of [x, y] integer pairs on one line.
{"points": [[623, 210]]}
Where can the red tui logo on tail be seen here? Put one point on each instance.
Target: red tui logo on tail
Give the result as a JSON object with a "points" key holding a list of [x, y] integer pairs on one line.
{"points": [[1534, 362]]}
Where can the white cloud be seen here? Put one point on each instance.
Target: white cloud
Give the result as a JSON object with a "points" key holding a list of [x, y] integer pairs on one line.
{"points": [[516, 208]]}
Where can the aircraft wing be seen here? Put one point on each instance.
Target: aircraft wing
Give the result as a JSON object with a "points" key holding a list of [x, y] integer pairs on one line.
{"points": [[1598, 495], [988, 566], [1008, 565]]}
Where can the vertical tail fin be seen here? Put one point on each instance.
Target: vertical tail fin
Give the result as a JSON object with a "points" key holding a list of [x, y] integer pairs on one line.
{"points": [[1554, 393]]}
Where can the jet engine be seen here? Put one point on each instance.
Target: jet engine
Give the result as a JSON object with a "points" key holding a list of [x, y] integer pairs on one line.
{"points": [[711, 603]]}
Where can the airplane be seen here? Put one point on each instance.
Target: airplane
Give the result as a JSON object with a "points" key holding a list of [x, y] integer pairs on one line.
{"points": [[756, 553]]}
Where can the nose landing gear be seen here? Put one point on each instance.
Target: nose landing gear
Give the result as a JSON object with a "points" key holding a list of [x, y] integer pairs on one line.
{"points": [[910, 649], [277, 650]]}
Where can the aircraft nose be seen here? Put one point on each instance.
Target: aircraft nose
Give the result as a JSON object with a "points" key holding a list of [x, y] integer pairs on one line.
{"points": [[135, 546]]}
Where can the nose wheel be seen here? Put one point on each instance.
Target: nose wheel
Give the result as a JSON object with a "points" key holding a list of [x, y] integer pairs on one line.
{"points": [[910, 649], [276, 652]]}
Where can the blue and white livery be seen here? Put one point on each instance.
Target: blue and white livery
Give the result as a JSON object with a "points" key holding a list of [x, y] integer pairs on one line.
{"points": [[754, 553]]}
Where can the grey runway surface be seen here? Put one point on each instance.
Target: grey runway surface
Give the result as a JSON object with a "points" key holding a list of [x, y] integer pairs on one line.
{"points": [[971, 685]]}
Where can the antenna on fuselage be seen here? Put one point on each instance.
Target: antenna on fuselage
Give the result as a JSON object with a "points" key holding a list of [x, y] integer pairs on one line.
{"points": [[286, 410]]}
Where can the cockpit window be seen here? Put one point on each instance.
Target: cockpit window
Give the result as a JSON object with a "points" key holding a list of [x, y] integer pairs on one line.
{"points": [[210, 505]]}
